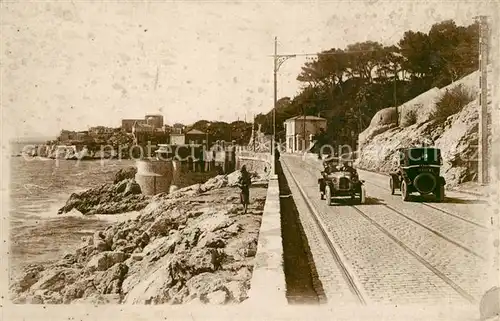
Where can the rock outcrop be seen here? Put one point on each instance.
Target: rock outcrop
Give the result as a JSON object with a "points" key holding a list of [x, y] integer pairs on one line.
{"points": [[124, 196], [456, 137], [125, 173], [194, 244]]}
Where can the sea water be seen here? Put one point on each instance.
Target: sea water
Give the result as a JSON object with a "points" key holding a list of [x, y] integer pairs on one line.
{"points": [[38, 188]]}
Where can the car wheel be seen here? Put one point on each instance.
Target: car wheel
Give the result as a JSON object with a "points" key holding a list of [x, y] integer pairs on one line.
{"points": [[362, 196], [405, 195], [440, 193], [391, 183], [328, 196]]}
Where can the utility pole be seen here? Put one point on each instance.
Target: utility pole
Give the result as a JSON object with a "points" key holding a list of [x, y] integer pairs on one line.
{"points": [[253, 132], [278, 61], [395, 99], [273, 156], [304, 128], [483, 164]]}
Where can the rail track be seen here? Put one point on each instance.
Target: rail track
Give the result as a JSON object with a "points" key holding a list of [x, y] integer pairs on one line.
{"points": [[437, 208], [438, 273], [356, 286], [349, 276], [443, 211]]}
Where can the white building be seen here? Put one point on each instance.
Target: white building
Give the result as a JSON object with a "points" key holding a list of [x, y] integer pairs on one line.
{"points": [[300, 131], [177, 139]]}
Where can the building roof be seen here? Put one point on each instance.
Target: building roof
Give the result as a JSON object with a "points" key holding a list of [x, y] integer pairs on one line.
{"points": [[308, 117], [137, 124], [195, 131]]}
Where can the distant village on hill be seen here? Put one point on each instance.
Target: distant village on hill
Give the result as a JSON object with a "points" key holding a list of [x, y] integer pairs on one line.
{"points": [[153, 131]]}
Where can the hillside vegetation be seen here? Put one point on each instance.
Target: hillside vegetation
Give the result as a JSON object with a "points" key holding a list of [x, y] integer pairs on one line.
{"points": [[349, 86], [446, 118]]}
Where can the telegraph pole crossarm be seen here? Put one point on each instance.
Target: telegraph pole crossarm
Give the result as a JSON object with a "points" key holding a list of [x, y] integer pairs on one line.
{"points": [[280, 59]]}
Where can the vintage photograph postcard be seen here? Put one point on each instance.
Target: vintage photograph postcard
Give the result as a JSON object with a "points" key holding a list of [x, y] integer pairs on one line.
{"points": [[254, 160]]}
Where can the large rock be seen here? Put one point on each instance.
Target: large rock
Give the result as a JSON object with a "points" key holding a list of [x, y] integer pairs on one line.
{"points": [[54, 280], [105, 260], [201, 285], [31, 275], [154, 284], [215, 183], [110, 282], [217, 297], [107, 199], [179, 249], [79, 289], [422, 106], [125, 173], [237, 290], [132, 188], [163, 224], [386, 116], [233, 178], [456, 137]]}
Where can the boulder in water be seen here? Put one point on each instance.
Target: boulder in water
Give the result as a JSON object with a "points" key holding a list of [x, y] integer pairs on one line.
{"points": [[125, 173]]}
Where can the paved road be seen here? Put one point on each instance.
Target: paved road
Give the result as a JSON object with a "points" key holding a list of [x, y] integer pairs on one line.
{"points": [[389, 251]]}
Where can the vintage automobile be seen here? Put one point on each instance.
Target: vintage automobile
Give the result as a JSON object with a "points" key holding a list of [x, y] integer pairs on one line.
{"points": [[336, 183], [418, 170]]}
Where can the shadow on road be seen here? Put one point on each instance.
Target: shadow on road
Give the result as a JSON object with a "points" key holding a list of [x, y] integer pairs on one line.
{"points": [[447, 200], [302, 281], [347, 201], [462, 201]]}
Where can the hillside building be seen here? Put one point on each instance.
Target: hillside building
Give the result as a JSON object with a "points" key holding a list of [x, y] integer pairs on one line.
{"points": [[300, 130]]}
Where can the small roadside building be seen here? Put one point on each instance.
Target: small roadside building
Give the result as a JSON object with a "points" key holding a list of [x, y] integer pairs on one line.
{"points": [[300, 130], [195, 136]]}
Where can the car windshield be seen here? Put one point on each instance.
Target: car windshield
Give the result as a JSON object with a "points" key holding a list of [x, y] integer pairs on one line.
{"points": [[427, 156]]}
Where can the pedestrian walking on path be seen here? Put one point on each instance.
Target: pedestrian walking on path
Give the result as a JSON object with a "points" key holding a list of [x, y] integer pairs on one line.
{"points": [[244, 184]]}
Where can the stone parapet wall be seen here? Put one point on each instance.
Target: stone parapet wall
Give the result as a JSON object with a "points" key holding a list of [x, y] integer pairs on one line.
{"points": [[268, 285], [255, 162]]}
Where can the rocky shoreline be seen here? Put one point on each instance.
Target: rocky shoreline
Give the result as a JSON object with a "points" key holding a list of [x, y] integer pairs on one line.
{"points": [[123, 195], [192, 245]]}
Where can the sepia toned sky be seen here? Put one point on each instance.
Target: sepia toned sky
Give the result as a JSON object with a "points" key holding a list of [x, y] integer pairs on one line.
{"points": [[76, 64]]}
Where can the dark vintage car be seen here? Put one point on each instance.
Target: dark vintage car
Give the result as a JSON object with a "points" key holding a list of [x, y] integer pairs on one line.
{"points": [[335, 182], [418, 170]]}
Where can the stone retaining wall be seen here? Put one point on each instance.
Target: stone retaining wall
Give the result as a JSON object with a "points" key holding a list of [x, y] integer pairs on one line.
{"points": [[268, 285], [255, 162]]}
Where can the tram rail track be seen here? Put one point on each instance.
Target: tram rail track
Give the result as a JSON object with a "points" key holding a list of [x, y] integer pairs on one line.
{"points": [[461, 291], [424, 262], [441, 235], [437, 208], [443, 211], [349, 276]]}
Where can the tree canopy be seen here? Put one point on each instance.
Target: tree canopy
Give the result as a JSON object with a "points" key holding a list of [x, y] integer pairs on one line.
{"points": [[348, 86]]}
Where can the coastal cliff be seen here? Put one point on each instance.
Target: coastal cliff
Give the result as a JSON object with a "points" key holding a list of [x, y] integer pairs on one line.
{"points": [[191, 245], [456, 135]]}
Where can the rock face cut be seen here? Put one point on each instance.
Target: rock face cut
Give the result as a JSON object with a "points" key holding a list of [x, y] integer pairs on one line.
{"points": [[194, 244], [456, 137]]}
